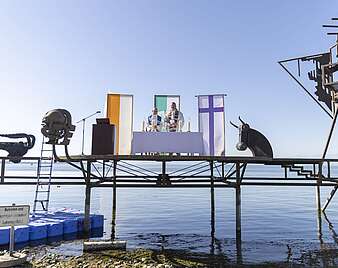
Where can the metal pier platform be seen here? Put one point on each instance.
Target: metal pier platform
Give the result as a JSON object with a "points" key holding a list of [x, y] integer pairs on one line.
{"points": [[168, 171]]}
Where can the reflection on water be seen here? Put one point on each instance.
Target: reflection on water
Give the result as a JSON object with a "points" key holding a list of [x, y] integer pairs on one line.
{"points": [[278, 223]]}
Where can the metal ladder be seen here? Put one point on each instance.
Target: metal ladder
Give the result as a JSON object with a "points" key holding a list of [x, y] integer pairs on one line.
{"points": [[44, 177]]}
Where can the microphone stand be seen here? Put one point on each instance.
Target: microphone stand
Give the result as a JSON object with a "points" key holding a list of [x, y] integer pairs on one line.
{"points": [[83, 127]]}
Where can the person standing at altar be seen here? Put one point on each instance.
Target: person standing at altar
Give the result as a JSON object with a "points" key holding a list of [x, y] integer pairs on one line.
{"points": [[174, 119], [154, 121]]}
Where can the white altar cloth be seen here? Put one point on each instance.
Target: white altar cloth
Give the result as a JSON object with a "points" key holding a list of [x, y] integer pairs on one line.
{"points": [[167, 142]]}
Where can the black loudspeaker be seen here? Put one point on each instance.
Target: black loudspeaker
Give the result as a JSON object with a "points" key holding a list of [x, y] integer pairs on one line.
{"points": [[103, 137]]}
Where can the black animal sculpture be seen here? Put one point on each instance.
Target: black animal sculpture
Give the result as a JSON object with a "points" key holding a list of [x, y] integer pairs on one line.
{"points": [[16, 150], [250, 138]]}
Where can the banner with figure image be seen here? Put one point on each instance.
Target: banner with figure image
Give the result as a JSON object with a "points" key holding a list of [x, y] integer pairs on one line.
{"points": [[163, 103], [120, 113], [211, 122]]}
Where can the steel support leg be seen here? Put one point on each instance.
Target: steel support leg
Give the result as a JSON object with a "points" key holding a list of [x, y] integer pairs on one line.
{"points": [[319, 182], [333, 192], [113, 223], [87, 201], [212, 206], [238, 214], [330, 134]]}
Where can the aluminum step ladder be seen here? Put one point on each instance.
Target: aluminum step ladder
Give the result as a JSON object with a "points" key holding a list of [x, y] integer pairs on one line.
{"points": [[44, 177]]}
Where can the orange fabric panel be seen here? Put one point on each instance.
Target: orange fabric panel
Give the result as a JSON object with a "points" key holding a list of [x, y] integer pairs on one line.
{"points": [[113, 113]]}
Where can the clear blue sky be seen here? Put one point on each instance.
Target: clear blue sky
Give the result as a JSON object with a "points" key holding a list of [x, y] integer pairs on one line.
{"points": [[69, 54]]}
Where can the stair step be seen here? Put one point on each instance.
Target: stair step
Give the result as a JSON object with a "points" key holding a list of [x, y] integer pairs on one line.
{"points": [[301, 171], [43, 183]]}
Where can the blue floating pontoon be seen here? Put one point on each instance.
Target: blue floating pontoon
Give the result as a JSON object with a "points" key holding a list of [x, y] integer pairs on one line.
{"points": [[96, 221], [4, 236], [70, 226], [21, 234], [60, 223], [54, 226], [37, 231]]}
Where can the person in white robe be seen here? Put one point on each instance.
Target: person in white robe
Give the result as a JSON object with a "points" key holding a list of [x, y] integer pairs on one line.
{"points": [[174, 119]]}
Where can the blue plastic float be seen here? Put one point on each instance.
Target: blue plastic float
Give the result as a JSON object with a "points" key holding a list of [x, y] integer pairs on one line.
{"points": [[21, 234], [37, 231], [96, 221], [4, 236], [60, 223]]}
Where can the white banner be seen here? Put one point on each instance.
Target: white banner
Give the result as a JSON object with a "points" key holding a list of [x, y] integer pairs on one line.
{"points": [[211, 122], [126, 124], [119, 110]]}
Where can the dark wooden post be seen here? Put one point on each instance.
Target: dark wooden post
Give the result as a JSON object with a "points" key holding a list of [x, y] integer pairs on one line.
{"points": [[238, 214], [113, 223], [87, 200]]}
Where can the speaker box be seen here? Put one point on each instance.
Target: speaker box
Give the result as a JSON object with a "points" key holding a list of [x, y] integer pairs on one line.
{"points": [[103, 139]]}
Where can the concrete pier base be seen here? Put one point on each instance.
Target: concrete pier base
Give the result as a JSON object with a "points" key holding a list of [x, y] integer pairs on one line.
{"points": [[104, 245], [15, 260]]}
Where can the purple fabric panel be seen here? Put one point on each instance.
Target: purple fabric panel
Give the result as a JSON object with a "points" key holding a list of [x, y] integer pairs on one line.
{"points": [[213, 109]]}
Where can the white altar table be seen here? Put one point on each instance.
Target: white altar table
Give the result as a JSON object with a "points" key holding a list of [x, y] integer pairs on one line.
{"points": [[167, 142]]}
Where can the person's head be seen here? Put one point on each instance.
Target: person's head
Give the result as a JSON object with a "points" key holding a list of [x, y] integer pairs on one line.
{"points": [[155, 111], [173, 106]]}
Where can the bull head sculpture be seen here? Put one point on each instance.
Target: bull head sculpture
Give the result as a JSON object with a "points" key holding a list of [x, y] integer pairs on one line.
{"points": [[250, 138]]}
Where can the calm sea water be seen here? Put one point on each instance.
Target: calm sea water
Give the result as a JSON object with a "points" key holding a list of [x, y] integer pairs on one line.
{"points": [[273, 218]]}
